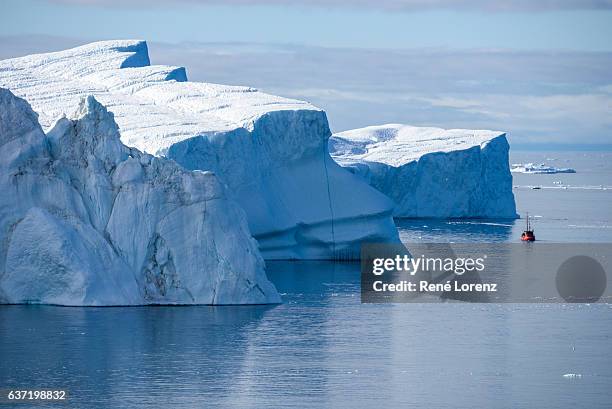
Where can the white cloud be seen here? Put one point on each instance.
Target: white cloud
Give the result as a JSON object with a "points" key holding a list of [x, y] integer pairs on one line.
{"points": [[556, 97]]}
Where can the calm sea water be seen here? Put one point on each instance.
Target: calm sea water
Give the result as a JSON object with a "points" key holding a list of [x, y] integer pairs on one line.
{"points": [[568, 207], [323, 348]]}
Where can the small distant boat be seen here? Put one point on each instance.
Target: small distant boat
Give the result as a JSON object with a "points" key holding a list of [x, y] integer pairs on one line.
{"points": [[528, 234], [536, 187]]}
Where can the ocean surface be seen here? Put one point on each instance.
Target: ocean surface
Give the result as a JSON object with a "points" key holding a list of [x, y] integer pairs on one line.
{"points": [[563, 207], [323, 348]]}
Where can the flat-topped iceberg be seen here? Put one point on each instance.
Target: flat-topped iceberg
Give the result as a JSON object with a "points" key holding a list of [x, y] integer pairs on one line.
{"points": [[432, 172], [538, 169], [85, 220], [270, 151]]}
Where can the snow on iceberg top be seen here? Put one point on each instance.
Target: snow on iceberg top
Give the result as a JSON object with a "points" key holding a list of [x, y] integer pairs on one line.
{"points": [[154, 105], [397, 144]]}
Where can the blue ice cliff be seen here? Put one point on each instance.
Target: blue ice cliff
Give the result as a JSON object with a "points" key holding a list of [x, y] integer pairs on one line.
{"points": [[270, 151], [432, 172], [85, 220]]}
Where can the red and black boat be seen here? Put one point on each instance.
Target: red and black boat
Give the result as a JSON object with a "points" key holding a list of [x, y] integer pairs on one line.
{"points": [[528, 234]]}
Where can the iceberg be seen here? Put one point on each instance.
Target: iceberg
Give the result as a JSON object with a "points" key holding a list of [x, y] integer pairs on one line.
{"points": [[538, 169], [85, 220], [270, 151], [432, 172]]}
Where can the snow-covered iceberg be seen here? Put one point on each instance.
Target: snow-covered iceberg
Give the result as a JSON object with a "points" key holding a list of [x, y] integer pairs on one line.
{"points": [[270, 151], [85, 220], [538, 169], [432, 172]]}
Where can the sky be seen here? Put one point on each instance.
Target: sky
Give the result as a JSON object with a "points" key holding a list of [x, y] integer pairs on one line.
{"points": [[539, 70]]}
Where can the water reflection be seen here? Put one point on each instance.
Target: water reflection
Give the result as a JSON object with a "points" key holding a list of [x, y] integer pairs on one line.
{"points": [[320, 348], [126, 356], [314, 278], [334, 342]]}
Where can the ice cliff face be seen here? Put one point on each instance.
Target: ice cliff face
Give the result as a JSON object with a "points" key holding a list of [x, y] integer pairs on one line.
{"points": [[270, 151], [85, 220], [432, 172]]}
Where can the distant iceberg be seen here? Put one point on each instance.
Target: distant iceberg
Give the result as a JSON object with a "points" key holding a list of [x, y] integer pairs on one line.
{"points": [[538, 168], [270, 151], [85, 220], [432, 172]]}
